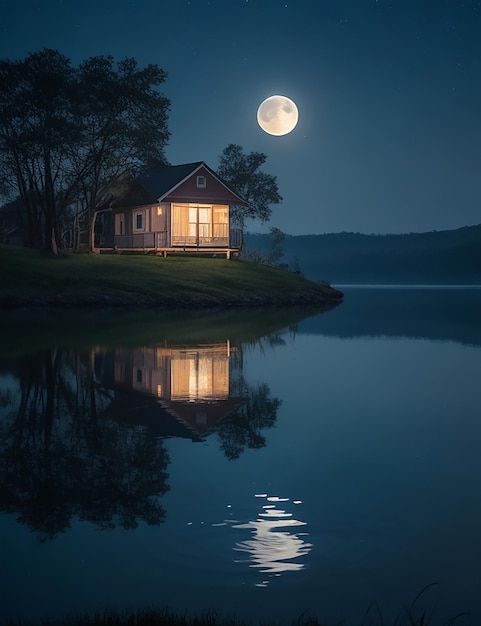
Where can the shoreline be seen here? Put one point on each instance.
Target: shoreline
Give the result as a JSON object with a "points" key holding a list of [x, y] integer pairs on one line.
{"points": [[29, 279], [13, 300]]}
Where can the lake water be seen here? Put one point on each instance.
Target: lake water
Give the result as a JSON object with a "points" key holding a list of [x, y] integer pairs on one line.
{"points": [[262, 464]]}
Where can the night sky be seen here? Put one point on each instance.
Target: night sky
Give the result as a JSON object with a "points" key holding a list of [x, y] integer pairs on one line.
{"points": [[389, 95]]}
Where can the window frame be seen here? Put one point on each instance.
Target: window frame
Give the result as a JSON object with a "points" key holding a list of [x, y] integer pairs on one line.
{"points": [[139, 213]]}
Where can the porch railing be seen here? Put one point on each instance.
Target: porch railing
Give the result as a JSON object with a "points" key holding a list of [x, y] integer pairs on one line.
{"points": [[159, 239], [199, 242], [235, 238]]}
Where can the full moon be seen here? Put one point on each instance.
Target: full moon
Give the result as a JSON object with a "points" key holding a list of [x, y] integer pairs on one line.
{"points": [[277, 115]]}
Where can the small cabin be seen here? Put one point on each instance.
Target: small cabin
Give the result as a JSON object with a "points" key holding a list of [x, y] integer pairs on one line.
{"points": [[171, 208]]}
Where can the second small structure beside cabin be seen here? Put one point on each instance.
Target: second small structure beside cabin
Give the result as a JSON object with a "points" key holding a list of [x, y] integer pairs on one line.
{"points": [[171, 208]]}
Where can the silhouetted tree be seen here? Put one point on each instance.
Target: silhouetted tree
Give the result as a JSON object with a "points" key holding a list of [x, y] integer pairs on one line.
{"points": [[276, 252], [62, 457], [65, 131], [243, 428], [241, 172]]}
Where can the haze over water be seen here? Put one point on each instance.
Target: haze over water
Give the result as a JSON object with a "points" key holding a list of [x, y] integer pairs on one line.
{"points": [[325, 464]]}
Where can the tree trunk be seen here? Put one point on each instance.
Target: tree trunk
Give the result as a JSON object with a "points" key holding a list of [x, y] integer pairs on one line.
{"points": [[50, 234], [92, 230]]}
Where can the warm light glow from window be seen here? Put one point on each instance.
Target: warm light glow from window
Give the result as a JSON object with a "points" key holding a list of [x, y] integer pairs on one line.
{"points": [[200, 377], [200, 221]]}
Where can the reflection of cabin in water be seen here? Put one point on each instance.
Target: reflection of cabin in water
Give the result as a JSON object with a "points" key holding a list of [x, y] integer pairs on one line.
{"points": [[170, 208], [178, 390]]}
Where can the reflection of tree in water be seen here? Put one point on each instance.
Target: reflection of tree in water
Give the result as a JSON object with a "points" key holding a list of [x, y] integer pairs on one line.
{"points": [[60, 457], [242, 428]]}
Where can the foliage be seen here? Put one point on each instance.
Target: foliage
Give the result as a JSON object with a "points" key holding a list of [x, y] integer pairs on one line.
{"points": [[273, 253], [63, 457], [243, 428], [65, 131], [242, 172], [276, 252], [165, 617], [412, 614]]}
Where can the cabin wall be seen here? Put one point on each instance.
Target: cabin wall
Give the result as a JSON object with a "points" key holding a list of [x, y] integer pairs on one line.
{"points": [[155, 218], [152, 230], [122, 224], [158, 217], [214, 191]]}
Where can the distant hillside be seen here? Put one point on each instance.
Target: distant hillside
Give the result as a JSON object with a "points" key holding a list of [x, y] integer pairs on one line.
{"points": [[438, 257]]}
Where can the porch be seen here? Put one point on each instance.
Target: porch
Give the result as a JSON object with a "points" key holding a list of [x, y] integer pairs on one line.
{"points": [[158, 243]]}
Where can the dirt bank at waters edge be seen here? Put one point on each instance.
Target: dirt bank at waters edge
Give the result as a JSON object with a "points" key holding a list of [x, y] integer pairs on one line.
{"points": [[317, 293]]}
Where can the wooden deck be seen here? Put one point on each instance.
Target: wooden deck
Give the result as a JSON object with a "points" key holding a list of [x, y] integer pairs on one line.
{"points": [[159, 244], [179, 251]]}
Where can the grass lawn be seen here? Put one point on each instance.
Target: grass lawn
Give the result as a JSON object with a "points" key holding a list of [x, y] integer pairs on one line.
{"points": [[27, 273]]}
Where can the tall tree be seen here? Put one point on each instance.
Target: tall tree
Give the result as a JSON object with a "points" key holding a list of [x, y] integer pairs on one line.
{"points": [[65, 131], [36, 120], [242, 172], [124, 124]]}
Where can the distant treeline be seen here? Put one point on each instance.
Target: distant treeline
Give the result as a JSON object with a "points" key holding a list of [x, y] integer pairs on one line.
{"points": [[437, 257]]}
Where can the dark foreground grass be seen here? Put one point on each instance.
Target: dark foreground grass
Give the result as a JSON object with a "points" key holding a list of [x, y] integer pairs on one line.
{"points": [[30, 276], [152, 617], [410, 615]]}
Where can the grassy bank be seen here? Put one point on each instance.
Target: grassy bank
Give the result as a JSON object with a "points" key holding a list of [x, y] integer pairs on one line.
{"points": [[29, 277], [161, 617]]}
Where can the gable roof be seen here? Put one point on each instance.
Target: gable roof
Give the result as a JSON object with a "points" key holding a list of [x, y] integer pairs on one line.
{"points": [[157, 183], [160, 181]]}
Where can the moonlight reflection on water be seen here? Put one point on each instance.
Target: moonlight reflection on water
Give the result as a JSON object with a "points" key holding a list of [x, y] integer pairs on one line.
{"points": [[274, 547]]}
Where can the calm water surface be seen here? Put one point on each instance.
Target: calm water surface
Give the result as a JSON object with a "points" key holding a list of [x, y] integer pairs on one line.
{"points": [[258, 464]]}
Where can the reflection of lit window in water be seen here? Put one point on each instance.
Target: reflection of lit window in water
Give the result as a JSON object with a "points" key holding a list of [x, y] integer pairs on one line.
{"points": [[276, 545], [198, 376]]}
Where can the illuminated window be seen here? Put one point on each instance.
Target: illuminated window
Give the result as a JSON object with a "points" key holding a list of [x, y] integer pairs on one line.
{"points": [[159, 211], [221, 221], [201, 182], [221, 214], [204, 221]]}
